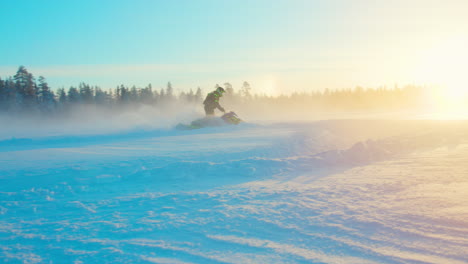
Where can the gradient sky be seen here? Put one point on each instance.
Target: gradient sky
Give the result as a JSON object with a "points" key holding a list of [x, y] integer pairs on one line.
{"points": [[278, 46]]}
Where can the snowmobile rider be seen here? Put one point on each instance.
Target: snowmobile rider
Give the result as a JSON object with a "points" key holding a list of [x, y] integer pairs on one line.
{"points": [[212, 101]]}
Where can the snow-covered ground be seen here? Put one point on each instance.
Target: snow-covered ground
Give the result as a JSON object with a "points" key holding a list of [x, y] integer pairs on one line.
{"points": [[349, 191]]}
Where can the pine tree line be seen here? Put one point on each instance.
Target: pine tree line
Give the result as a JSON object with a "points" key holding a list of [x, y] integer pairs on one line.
{"points": [[22, 93], [409, 97]]}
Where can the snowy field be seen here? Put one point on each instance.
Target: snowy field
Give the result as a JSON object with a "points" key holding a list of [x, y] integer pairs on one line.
{"points": [[346, 191]]}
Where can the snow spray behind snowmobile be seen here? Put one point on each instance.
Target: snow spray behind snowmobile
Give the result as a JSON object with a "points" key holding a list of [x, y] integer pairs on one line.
{"points": [[230, 118]]}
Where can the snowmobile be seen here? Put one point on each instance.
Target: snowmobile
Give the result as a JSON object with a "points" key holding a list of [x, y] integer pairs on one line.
{"points": [[230, 118]]}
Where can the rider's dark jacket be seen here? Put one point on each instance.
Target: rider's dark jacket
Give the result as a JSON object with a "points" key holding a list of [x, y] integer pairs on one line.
{"points": [[212, 101]]}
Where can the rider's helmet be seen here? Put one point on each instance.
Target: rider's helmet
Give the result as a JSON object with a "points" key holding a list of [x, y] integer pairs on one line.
{"points": [[220, 89]]}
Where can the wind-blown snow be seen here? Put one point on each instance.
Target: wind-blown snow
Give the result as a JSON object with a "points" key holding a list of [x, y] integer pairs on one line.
{"points": [[324, 192]]}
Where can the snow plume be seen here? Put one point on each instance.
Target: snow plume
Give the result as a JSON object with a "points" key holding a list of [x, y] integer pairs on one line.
{"points": [[93, 120]]}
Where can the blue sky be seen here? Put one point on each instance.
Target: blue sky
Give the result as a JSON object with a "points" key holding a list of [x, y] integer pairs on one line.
{"points": [[278, 46]]}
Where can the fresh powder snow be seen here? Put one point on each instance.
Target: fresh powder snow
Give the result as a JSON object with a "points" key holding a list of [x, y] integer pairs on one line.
{"points": [[337, 191]]}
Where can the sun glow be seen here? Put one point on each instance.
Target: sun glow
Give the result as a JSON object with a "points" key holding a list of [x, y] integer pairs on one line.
{"points": [[269, 85], [446, 66]]}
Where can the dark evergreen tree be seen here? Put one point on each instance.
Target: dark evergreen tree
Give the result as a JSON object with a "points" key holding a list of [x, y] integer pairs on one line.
{"points": [[110, 97], [62, 97], [100, 97], [26, 89], [169, 92], [11, 95], [156, 97], [134, 98], [146, 95], [123, 95], [73, 95], [162, 96], [46, 97], [86, 93], [117, 93], [3, 96]]}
